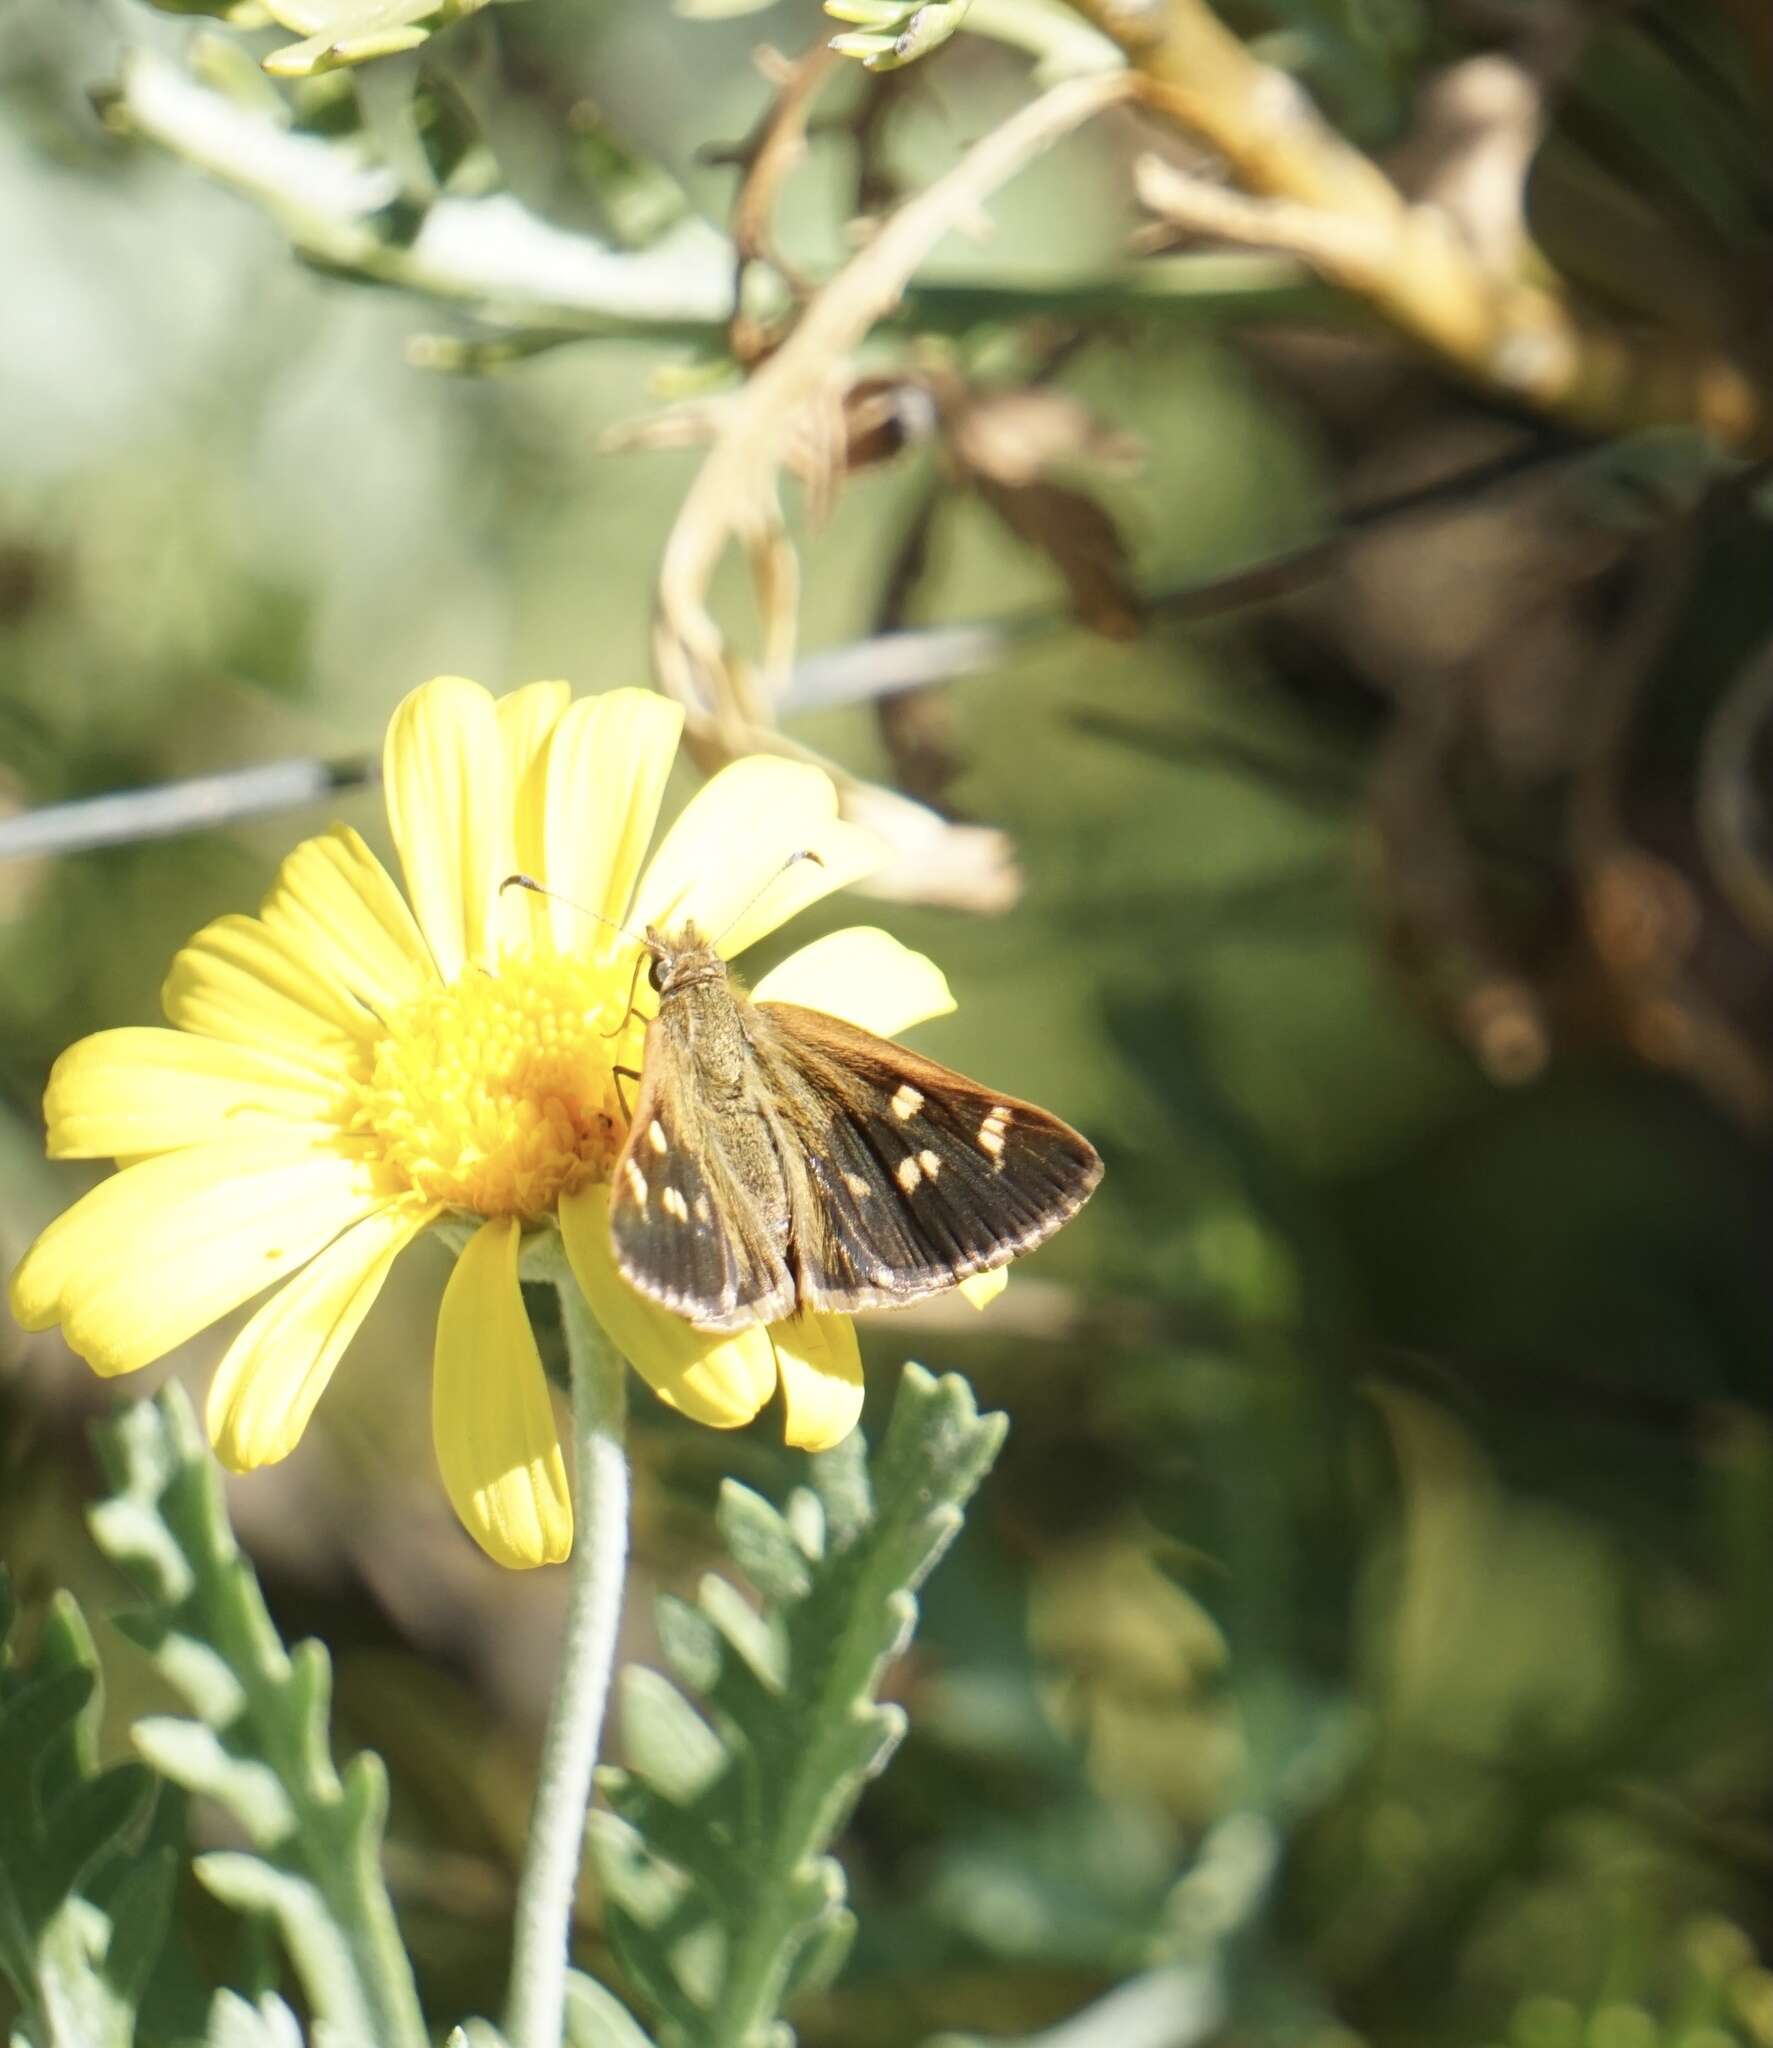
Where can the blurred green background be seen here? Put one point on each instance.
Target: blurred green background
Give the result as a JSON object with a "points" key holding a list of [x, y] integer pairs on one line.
{"points": [[1365, 1638]]}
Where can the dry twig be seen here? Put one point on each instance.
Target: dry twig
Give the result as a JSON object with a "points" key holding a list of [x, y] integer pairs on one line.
{"points": [[767, 158], [1321, 198], [735, 500], [1732, 802]]}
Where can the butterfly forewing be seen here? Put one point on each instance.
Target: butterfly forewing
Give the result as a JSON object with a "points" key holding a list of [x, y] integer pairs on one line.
{"points": [[905, 1177]]}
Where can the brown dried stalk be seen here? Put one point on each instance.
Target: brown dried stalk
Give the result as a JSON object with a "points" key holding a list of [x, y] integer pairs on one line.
{"points": [[768, 158], [735, 500], [1322, 199], [1732, 806]]}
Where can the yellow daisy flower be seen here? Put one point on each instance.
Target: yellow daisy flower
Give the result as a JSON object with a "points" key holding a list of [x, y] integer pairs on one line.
{"points": [[344, 1071]]}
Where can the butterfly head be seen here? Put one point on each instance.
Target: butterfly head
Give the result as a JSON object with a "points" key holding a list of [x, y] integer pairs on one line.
{"points": [[681, 959]]}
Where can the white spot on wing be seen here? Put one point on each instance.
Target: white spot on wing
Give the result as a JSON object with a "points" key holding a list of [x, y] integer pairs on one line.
{"points": [[856, 1185], [655, 1137], [906, 1102], [704, 1214], [637, 1183], [908, 1173], [673, 1204], [930, 1163], [991, 1131]]}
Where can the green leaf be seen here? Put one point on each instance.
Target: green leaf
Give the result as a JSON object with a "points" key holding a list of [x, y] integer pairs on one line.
{"points": [[475, 2034], [893, 34], [84, 1825], [242, 13], [722, 1903], [762, 1545], [233, 2023], [718, 10], [258, 1743], [79, 1929], [67, 1645], [139, 1906], [596, 2018], [79, 2006], [339, 32]]}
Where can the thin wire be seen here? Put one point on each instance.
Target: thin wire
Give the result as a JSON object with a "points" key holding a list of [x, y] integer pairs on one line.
{"points": [[854, 674], [165, 809]]}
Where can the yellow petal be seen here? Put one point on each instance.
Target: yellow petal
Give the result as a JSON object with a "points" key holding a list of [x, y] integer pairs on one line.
{"points": [[722, 1381], [133, 1092], [607, 768], [491, 1418], [157, 1252], [443, 767], [863, 975], [527, 719], [982, 1289], [725, 862], [335, 906], [266, 1386], [821, 1370], [239, 980]]}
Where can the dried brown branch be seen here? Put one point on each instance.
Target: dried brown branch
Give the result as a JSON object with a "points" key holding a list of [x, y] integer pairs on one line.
{"points": [[1645, 917], [916, 725], [1732, 802], [1335, 208], [735, 501], [767, 158], [1754, 23], [1433, 890], [1347, 251]]}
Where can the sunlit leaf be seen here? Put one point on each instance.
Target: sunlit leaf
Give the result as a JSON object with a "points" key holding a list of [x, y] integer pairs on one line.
{"points": [[241, 13], [723, 1901], [888, 35], [259, 1742], [339, 32], [69, 1838]]}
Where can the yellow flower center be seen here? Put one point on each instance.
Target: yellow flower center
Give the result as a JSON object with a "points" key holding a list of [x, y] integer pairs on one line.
{"points": [[497, 1095]]}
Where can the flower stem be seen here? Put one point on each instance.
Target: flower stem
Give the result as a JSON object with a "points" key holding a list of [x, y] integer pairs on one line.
{"points": [[542, 1932]]}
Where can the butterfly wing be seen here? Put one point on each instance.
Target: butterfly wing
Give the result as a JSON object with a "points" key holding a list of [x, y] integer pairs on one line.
{"points": [[685, 1229], [904, 1177]]}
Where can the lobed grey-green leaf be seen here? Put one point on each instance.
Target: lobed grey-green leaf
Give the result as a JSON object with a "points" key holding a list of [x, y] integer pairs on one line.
{"points": [[722, 1903], [762, 1544], [596, 2018], [668, 1743]]}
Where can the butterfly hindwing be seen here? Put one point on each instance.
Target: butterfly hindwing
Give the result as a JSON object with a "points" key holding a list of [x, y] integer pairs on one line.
{"points": [[903, 1176]]}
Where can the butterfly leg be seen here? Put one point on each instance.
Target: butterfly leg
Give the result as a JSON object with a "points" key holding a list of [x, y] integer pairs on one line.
{"points": [[620, 1075], [628, 1006]]}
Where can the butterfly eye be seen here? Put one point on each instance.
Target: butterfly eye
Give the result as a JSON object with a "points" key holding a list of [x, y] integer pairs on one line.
{"points": [[655, 975]]}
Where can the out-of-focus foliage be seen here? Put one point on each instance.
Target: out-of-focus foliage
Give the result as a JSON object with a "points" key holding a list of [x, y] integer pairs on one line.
{"points": [[1363, 1636], [81, 1919], [889, 36], [723, 1901], [255, 1736]]}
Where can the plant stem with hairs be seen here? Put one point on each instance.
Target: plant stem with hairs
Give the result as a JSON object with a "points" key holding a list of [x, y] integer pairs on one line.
{"points": [[542, 1931]]}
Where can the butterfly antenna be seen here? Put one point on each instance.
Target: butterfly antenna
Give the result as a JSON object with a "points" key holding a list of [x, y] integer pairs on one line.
{"points": [[757, 895], [535, 888]]}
